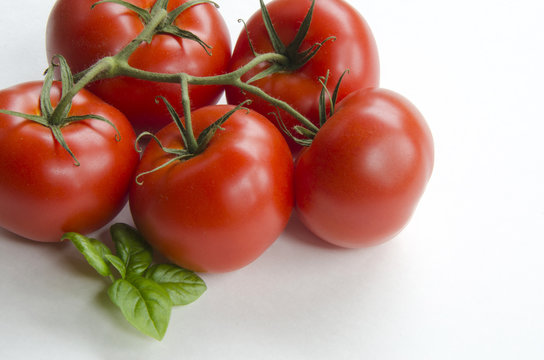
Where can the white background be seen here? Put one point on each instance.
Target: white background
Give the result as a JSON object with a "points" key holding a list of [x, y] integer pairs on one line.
{"points": [[464, 280]]}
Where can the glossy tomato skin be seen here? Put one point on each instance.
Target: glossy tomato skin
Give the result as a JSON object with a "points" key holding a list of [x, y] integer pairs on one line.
{"points": [[360, 181], [84, 35], [43, 194], [222, 209], [354, 48]]}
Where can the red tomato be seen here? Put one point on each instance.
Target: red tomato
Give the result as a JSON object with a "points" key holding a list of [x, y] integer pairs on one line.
{"points": [[43, 194], [361, 179], [353, 49], [222, 209], [84, 35]]}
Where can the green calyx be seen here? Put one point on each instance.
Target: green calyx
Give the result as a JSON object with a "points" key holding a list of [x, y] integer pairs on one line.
{"points": [[305, 134], [57, 118], [296, 58], [189, 150], [167, 24]]}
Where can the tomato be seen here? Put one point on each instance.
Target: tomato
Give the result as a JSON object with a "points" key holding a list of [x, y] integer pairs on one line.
{"points": [[221, 209], [365, 171], [43, 193], [84, 35], [354, 48]]}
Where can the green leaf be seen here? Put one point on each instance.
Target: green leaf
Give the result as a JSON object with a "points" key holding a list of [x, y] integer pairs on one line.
{"points": [[145, 297], [182, 285], [144, 303], [131, 248], [117, 263], [93, 251]]}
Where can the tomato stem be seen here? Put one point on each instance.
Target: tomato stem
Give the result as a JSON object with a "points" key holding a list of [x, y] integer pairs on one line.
{"points": [[192, 144], [117, 65], [146, 35], [229, 79]]}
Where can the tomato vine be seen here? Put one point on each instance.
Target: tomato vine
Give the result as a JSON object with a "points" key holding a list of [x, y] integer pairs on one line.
{"points": [[159, 20]]}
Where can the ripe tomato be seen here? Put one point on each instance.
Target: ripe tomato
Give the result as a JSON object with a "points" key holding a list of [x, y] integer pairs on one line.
{"points": [[362, 177], [43, 194], [353, 49], [221, 209], [84, 35]]}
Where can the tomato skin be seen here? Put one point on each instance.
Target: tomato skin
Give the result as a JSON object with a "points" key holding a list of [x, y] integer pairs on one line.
{"points": [[354, 48], [361, 179], [43, 194], [83, 36], [222, 209]]}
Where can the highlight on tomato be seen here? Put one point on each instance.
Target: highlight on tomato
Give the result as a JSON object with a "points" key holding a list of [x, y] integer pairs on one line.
{"points": [[61, 171], [360, 180], [316, 37], [197, 42], [217, 205]]}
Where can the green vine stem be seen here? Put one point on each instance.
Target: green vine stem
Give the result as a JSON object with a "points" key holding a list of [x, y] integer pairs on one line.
{"points": [[233, 78], [118, 65], [147, 33], [192, 144]]}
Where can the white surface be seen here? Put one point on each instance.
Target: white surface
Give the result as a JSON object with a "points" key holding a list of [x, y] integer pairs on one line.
{"points": [[463, 281]]}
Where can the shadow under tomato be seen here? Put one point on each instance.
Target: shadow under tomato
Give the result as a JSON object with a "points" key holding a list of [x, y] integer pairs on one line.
{"points": [[12, 239], [297, 231]]}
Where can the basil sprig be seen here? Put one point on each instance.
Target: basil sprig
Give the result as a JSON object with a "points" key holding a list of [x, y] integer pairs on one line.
{"points": [[144, 292]]}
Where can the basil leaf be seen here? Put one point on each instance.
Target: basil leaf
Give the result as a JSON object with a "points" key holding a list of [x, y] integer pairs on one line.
{"points": [[118, 264], [131, 248], [182, 285], [144, 303], [93, 251]]}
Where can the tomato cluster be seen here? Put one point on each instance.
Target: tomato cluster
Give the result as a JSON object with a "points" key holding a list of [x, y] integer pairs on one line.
{"points": [[213, 196]]}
